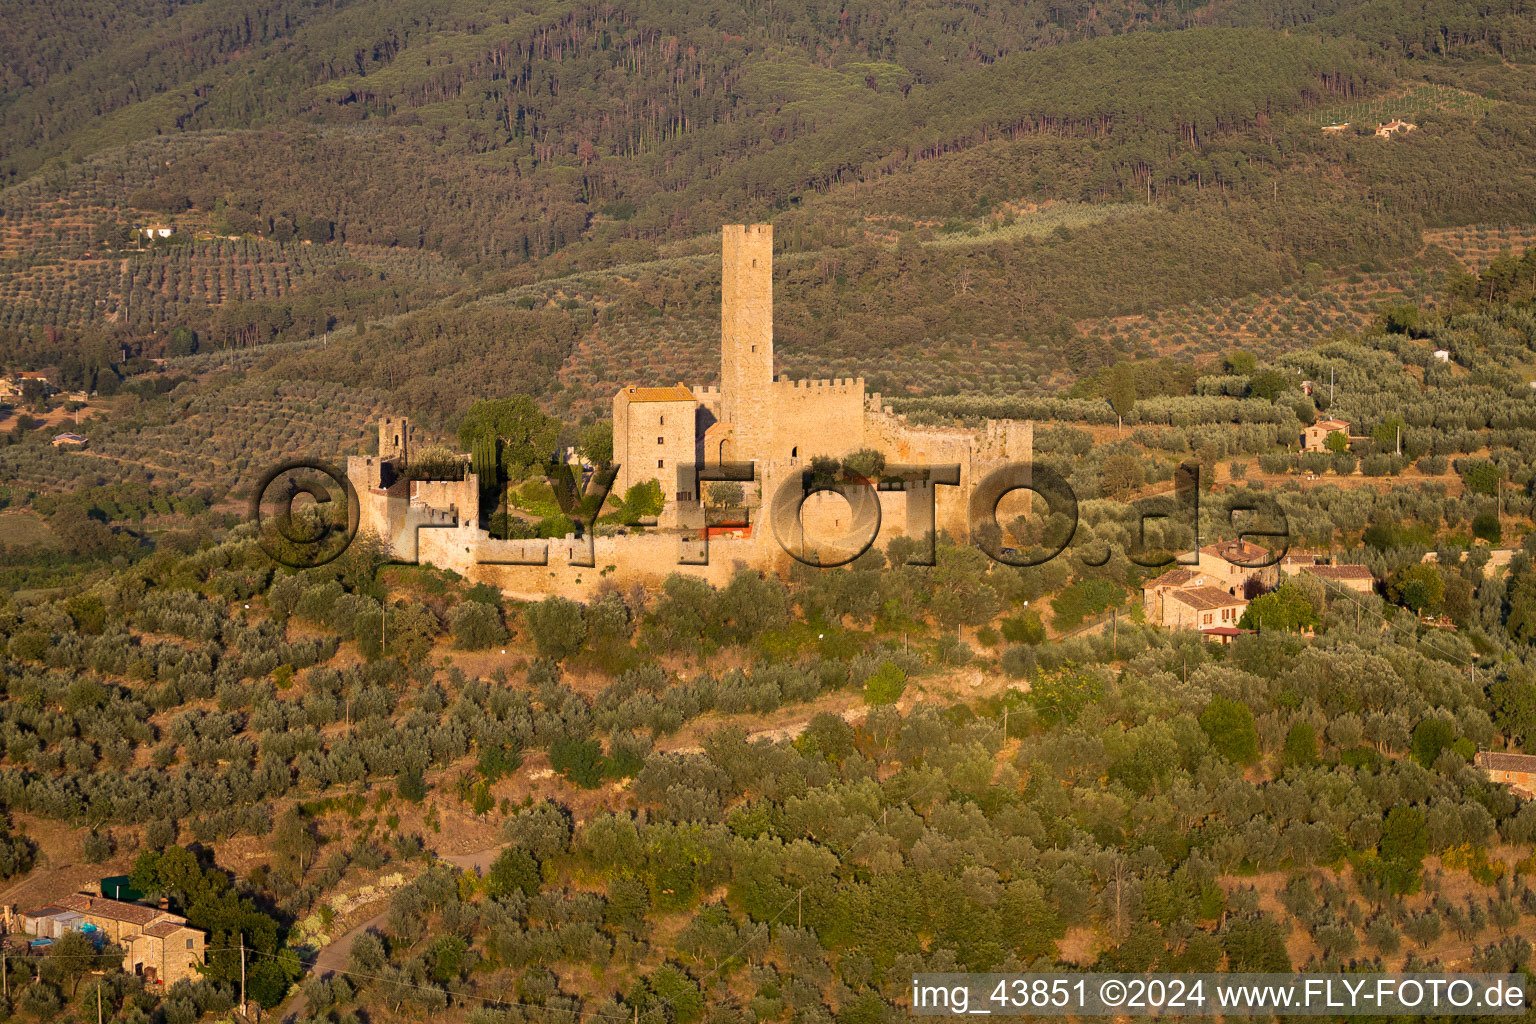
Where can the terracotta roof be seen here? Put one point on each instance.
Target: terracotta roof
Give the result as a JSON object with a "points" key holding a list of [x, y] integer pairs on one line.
{"points": [[1171, 578], [1494, 761], [1227, 631], [164, 929], [112, 910], [1238, 551], [1205, 598], [1340, 572], [675, 393], [1298, 558], [1333, 424]]}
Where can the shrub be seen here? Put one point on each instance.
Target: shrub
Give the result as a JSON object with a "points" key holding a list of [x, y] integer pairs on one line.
{"points": [[411, 786], [1283, 608], [866, 462], [1430, 737], [1024, 628], [476, 626], [580, 761], [1376, 465], [1019, 662], [558, 627], [1481, 477], [1275, 463], [1432, 465], [1485, 526], [513, 870], [96, 847], [1082, 599], [1300, 746], [885, 685], [1229, 726], [556, 527], [641, 501]]}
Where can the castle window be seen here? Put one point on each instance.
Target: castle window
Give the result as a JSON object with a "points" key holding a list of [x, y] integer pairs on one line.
{"points": [[661, 440], [661, 463], [754, 348], [794, 452]]}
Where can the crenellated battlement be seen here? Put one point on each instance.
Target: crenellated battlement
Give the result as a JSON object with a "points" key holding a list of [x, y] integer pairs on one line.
{"points": [[825, 383]]}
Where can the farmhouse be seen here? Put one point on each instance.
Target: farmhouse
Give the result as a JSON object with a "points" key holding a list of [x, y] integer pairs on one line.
{"points": [[17, 385], [1238, 566], [1392, 127], [1315, 437], [1201, 608], [69, 440], [1190, 599], [1517, 771], [158, 946]]}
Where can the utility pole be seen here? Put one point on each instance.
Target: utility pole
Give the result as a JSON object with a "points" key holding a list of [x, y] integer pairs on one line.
{"points": [[1330, 389], [98, 1001], [242, 975]]}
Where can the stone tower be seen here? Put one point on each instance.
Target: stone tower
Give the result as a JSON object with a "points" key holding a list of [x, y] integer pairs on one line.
{"points": [[746, 339], [395, 439]]}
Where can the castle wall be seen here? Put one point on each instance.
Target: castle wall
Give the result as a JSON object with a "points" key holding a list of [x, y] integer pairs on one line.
{"points": [[621, 454], [647, 559], [817, 417], [432, 521], [708, 397], [456, 497], [365, 473], [976, 453]]}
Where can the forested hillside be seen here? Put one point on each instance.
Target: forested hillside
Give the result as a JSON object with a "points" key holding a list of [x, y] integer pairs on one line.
{"points": [[776, 800], [1005, 174]]}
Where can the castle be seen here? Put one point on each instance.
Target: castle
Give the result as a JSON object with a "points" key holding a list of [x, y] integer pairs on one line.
{"points": [[761, 430]]}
